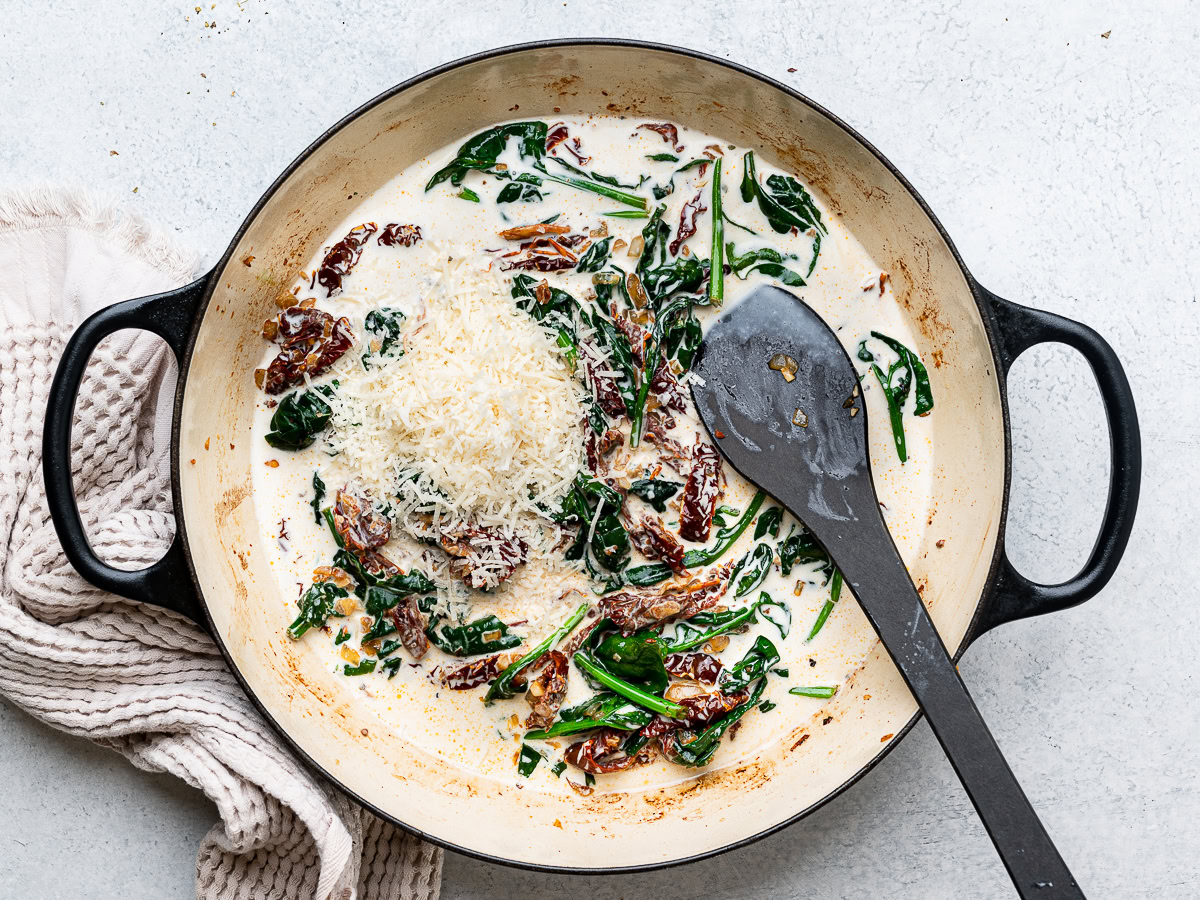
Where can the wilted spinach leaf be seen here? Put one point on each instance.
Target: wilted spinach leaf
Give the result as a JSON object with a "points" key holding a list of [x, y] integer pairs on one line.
{"points": [[482, 150], [766, 260], [485, 635], [610, 543], [913, 377], [386, 593], [523, 187], [366, 667], [751, 569], [682, 339], [316, 607], [637, 659], [800, 547], [560, 307], [318, 496], [385, 324], [594, 257], [604, 710], [299, 418], [776, 612], [620, 357], [528, 761], [685, 275], [768, 523], [655, 235], [759, 660], [785, 203], [655, 491]]}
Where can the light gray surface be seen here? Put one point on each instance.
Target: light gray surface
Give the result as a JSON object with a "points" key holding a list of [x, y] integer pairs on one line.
{"points": [[1065, 167]]}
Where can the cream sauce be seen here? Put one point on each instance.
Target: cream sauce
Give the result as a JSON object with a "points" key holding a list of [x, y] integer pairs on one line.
{"points": [[844, 289]]}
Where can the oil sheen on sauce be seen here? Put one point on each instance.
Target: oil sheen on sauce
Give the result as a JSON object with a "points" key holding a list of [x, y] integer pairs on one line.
{"points": [[844, 289]]}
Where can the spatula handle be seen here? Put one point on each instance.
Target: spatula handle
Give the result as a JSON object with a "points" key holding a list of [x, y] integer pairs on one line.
{"points": [[886, 593]]}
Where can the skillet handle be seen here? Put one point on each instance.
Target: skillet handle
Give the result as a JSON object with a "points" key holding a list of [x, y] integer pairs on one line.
{"points": [[1014, 596], [166, 583]]}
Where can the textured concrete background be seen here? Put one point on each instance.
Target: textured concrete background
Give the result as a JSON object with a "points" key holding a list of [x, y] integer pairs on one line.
{"points": [[1063, 163]]}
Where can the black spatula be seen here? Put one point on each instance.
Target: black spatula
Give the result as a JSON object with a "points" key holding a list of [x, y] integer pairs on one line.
{"points": [[804, 441]]}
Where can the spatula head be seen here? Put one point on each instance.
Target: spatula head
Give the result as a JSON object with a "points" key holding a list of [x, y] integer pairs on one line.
{"points": [[802, 440]]}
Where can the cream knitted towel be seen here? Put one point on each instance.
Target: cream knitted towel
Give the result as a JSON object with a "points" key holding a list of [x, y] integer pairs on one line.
{"points": [[135, 678]]}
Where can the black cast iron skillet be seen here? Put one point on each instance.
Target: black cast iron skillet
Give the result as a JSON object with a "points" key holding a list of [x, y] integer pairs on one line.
{"points": [[1011, 329]]}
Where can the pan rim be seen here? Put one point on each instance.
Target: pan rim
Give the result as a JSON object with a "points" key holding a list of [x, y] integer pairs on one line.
{"points": [[998, 373]]}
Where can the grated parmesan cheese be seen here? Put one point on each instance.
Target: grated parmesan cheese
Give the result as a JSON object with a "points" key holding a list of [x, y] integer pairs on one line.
{"points": [[477, 422]]}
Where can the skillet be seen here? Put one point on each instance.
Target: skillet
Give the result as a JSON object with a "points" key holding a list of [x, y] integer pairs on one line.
{"points": [[216, 574]]}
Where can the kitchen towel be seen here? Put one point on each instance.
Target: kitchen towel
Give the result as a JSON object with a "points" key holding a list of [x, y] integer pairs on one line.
{"points": [[138, 679]]}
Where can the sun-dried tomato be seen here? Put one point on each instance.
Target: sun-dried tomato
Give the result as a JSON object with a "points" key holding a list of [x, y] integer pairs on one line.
{"points": [[654, 542], [700, 492], [667, 388], [704, 708], [396, 234], [539, 263], [343, 256], [538, 229], [687, 222], [556, 136], [697, 666], [358, 525], [581, 636], [601, 753], [631, 611], [598, 446], [482, 558], [547, 692], [477, 672], [608, 395], [669, 133], [674, 454], [378, 564], [410, 625], [575, 148], [659, 726], [311, 342], [636, 335], [551, 243]]}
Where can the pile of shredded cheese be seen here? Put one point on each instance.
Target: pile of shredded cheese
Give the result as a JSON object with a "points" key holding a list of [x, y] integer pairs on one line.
{"points": [[477, 422]]}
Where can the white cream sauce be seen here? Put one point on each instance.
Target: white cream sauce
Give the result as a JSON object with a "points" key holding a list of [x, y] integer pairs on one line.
{"points": [[844, 289]]}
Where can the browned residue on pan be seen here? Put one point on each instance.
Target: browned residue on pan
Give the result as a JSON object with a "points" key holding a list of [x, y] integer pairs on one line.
{"points": [[565, 85], [453, 788], [871, 193], [931, 323], [903, 294], [230, 500], [400, 123], [292, 675]]}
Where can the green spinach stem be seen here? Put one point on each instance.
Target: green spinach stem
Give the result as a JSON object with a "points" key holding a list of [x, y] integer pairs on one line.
{"points": [[821, 692], [584, 660], [716, 265], [500, 687], [603, 190], [835, 591]]}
